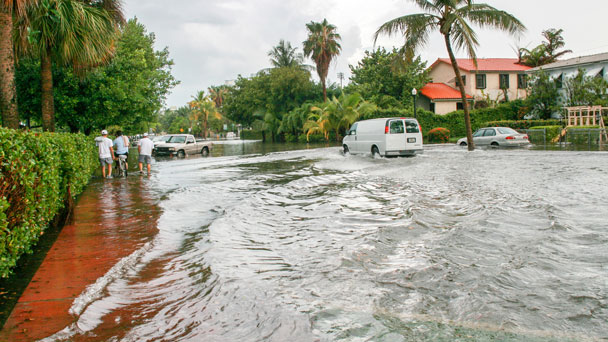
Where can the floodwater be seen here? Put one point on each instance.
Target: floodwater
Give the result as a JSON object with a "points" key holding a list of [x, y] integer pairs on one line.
{"points": [[310, 245]]}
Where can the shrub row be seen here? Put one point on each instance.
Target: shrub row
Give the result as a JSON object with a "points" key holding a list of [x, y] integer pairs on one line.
{"points": [[536, 136], [524, 124], [39, 174], [249, 134]]}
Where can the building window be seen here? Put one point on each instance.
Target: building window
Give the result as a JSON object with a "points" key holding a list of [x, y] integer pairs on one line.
{"points": [[559, 80], [459, 106], [432, 107], [480, 80], [522, 81], [504, 81]]}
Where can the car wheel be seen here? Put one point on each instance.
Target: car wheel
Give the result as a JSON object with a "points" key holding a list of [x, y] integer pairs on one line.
{"points": [[463, 144], [375, 152], [205, 151], [181, 153], [494, 144], [345, 149]]}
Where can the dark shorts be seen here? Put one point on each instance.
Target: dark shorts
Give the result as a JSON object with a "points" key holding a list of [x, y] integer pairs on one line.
{"points": [[126, 154], [145, 159], [105, 161]]}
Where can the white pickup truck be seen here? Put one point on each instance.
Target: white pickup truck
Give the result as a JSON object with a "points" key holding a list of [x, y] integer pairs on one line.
{"points": [[182, 145]]}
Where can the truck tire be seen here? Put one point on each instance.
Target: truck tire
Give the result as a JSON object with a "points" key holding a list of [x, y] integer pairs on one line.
{"points": [[205, 151], [181, 153]]}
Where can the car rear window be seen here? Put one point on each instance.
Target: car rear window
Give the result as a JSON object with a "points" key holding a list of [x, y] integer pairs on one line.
{"points": [[411, 126], [506, 130]]}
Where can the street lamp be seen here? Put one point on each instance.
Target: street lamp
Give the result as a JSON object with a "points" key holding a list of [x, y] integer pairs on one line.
{"points": [[414, 93]]}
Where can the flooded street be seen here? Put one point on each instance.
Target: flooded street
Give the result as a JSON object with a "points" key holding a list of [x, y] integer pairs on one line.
{"points": [[310, 245]]}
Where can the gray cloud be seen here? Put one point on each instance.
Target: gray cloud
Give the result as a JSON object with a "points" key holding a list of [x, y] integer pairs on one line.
{"points": [[212, 41]]}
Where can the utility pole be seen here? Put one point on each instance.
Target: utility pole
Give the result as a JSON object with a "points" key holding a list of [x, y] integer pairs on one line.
{"points": [[341, 77]]}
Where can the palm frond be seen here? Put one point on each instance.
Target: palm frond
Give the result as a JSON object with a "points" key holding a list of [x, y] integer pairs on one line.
{"points": [[485, 15]]}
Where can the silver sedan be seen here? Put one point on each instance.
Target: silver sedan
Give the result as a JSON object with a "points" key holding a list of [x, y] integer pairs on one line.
{"points": [[496, 136]]}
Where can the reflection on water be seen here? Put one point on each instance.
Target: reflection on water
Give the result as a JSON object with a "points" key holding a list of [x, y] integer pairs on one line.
{"points": [[309, 245]]}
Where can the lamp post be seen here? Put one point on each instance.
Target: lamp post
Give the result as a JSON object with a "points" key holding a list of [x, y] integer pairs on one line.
{"points": [[414, 93]]}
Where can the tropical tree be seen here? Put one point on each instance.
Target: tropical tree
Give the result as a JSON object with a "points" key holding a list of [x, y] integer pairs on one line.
{"points": [[202, 109], [451, 18], [322, 45], [345, 110], [547, 52], [318, 121], [283, 55], [217, 95], [81, 34], [543, 95], [8, 91]]}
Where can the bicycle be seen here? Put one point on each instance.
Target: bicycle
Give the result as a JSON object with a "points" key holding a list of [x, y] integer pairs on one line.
{"points": [[121, 165]]}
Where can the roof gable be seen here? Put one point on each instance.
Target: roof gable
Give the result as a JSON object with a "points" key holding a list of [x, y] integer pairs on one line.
{"points": [[485, 64], [441, 91], [576, 61]]}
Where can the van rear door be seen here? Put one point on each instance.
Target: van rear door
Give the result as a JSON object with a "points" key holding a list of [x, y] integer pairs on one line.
{"points": [[395, 136], [413, 135]]}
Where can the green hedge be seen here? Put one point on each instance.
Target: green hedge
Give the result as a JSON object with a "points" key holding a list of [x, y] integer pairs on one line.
{"points": [[536, 135], [524, 124], [39, 173]]}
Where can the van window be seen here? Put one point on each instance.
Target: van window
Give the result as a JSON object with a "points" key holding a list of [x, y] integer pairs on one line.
{"points": [[353, 129], [411, 126], [396, 127]]}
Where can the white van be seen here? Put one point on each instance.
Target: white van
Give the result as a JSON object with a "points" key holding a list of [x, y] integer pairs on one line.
{"points": [[389, 137]]}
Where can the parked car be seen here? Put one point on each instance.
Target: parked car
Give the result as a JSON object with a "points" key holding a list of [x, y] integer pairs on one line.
{"points": [[182, 145], [389, 137], [496, 136]]}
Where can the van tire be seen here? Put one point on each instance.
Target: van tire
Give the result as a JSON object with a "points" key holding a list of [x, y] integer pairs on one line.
{"points": [[345, 149], [375, 152]]}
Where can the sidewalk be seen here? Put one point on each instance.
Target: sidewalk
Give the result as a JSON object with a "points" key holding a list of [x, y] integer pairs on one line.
{"points": [[112, 219]]}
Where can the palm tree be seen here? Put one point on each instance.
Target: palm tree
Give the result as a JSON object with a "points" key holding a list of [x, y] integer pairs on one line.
{"points": [[322, 44], [202, 108], [77, 33], [8, 90], [451, 18], [347, 109], [218, 94], [283, 55], [318, 121], [546, 52]]}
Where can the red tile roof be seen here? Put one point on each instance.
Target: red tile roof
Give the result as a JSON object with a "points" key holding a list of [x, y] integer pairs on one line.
{"points": [[435, 91], [486, 64]]}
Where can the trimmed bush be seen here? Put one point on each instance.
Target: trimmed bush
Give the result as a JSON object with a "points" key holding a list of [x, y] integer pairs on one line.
{"points": [[524, 124], [439, 135], [39, 174], [536, 137]]}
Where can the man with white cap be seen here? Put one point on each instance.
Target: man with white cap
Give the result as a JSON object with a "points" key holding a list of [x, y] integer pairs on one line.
{"points": [[106, 153], [144, 147]]}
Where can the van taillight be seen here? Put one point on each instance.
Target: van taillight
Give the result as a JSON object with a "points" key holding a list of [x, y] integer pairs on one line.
{"points": [[386, 129]]}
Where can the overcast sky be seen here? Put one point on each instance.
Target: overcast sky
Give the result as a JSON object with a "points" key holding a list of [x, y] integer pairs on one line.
{"points": [[213, 41]]}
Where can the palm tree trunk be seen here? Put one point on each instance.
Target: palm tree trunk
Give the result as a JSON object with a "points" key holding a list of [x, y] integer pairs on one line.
{"points": [[8, 91], [47, 103], [324, 90], [463, 94]]}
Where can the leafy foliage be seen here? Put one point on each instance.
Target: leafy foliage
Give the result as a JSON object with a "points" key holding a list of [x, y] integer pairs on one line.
{"points": [[386, 79], [543, 95], [128, 92], [39, 173], [523, 124], [582, 90]]}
